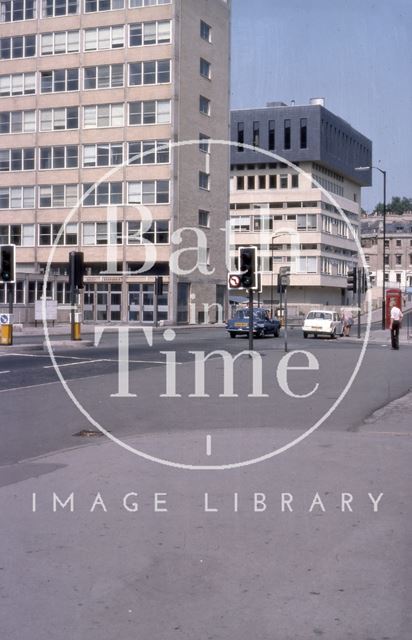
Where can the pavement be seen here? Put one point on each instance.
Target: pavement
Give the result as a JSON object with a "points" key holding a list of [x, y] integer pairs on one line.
{"points": [[144, 551]]}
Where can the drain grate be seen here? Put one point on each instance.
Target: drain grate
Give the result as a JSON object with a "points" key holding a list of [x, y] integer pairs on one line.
{"points": [[88, 433]]}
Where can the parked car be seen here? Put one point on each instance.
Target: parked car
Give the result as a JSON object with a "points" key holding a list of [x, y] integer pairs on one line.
{"points": [[323, 322], [263, 324]]}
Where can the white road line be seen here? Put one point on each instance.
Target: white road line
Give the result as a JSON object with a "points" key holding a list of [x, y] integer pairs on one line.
{"points": [[72, 364], [41, 355], [208, 445], [5, 371]]}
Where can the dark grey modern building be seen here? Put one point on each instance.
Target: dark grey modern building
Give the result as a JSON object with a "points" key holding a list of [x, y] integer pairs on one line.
{"points": [[293, 213]]}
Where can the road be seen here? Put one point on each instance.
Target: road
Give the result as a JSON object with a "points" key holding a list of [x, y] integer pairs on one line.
{"points": [[32, 396]]}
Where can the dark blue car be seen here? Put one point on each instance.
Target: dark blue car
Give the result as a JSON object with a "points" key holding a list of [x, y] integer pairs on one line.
{"points": [[263, 324]]}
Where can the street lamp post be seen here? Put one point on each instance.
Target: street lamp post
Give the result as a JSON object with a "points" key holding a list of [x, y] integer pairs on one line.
{"points": [[384, 239]]}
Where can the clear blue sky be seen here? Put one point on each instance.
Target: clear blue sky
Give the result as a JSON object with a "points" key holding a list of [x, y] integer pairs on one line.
{"points": [[357, 54]]}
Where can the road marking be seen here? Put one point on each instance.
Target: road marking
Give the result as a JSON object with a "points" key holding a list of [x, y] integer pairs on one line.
{"points": [[5, 371], [208, 445], [386, 433], [73, 364], [41, 355]]}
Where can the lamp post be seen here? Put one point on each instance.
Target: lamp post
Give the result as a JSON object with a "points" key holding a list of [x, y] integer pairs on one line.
{"points": [[384, 238], [272, 302]]}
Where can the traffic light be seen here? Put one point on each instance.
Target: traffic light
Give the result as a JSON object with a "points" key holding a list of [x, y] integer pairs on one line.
{"points": [[281, 287], [247, 267], [7, 263], [76, 270], [352, 280]]}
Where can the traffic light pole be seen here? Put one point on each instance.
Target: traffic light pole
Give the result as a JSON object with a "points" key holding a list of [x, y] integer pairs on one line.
{"points": [[250, 319], [10, 295], [286, 318]]}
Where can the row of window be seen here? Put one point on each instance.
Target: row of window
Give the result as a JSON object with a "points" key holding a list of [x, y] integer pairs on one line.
{"points": [[107, 76], [15, 10], [304, 222], [267, 139], [99, 38], [142, 112], [273, 181], [330, 186], [92, 233], [67, 195], [93, 155]]}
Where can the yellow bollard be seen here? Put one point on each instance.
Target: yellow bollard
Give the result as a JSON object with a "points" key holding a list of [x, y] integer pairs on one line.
{"points": [[76, 331], [6, 336]]}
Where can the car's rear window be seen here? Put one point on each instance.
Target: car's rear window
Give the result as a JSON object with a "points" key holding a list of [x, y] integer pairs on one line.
{"points": [[319, 315]]}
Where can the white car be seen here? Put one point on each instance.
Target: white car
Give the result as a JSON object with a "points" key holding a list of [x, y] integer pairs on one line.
{"points": [[323, 322]]}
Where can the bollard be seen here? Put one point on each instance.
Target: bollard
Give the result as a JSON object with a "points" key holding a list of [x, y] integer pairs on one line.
{"points": [[6, 336]]}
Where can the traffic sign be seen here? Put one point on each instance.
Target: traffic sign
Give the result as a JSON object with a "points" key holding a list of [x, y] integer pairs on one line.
{"points": [[234, 281], [6, 318]]}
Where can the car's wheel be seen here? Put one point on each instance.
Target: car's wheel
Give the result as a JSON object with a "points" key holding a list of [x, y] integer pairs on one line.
{"points": [[305, 334], [333, 334], [258, 334], [276, 333], [232, 334]]}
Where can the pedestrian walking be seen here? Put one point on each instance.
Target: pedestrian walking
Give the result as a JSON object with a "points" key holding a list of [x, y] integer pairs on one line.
{"points": [[395, 325], [347, 322]]}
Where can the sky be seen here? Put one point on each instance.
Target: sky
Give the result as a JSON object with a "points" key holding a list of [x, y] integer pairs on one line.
{"points": [[357, 54]]}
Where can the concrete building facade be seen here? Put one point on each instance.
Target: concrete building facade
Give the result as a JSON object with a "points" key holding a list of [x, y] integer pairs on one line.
{"points": [[93, 94], [283, 210]]}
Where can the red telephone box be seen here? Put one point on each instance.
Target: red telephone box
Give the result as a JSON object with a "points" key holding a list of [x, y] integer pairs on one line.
{"points": [[393, 299]]}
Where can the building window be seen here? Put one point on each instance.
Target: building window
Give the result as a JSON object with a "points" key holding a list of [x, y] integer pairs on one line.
{"points": [[149, 72], [103, 115], [147, 3], [272, 181], [104, 38], [51, 8], [286, 135], [17, 47], [105, 76], [204, 144], [19, 84], [17, 121], [204, 180], [256, 137], [156, 233], [306, 222], [240, 136], [204, 106], [17, 159], [284, 181], [103, 193], [303, 133], [148, 192], [58, 195], [399, 278], [48, 234], [59, 157], [102, 155], [205, 68], [271, 135], [251, 182], [15, 10], [262, 182], [398, 243], [59, 119], [295, 180], [21, 235], [204, 218], [149, 152], [398, 260], [148, 33], [240, 183], [60, 42], [205, 31], [150, 112], [91, 6], [96, 233], [59, 80], [17, 198]]}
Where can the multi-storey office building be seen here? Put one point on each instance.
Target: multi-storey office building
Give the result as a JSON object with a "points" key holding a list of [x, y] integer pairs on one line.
{"points": [[92, 95], [283, 211], [398, 251]]}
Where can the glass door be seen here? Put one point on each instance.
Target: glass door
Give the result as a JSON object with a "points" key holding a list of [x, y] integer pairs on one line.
{"points": [[148, 303], [102, 302], [134, 302], [115, 302], [88, 302]]}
